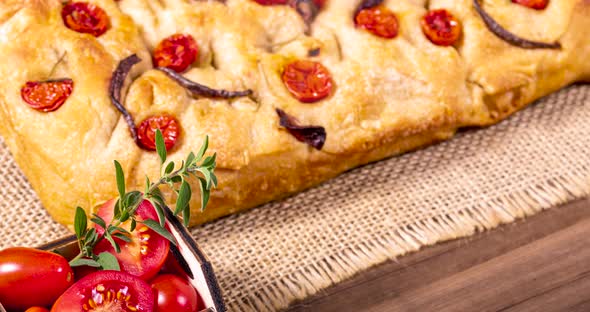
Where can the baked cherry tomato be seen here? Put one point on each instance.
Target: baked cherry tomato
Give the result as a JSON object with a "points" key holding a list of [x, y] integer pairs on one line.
{"points": [[176, 52], [168, 125], [271, 2], [378, 20], [36, 309], [31, 277], [47, 96], [308, 81], [175, 294], [145, 255], [107, 291], [441, 27], [85, 18], [533, 4]]}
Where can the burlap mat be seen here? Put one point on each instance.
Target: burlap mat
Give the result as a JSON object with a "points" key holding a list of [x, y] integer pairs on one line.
{"points": [[288, 250]]}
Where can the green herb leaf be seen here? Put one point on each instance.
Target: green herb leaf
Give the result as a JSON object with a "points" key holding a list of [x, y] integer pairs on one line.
{"points": [[148, 184], [123, 237], [108, 262], [176, 179], [203, 149], [213, 179], [184, 196], [108, 237], [156, 227], [84, 262], [204, 193], [160, 146], [159, 211], [98, 220], [90, 236], [133, 225], [209, 162], [169, 168], [120, 179], [80, 222], [207, 174], [189, 160], [186, 216]]}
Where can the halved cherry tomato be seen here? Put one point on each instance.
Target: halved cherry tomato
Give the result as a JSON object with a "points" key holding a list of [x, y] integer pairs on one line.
{"points": [[308, 81], [378, 20], [36, 309], [47, 96], [533, 4], [441, 27], [168, 125], [175, 294], [85, 18], [107, 291], [145, 255], [31, 277], [176, 52]]}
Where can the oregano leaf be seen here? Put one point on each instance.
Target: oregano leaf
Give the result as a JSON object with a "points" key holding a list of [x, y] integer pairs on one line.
{"points": [[99, 220], [155, 226], [204, 193], [108, 262], [160, 146], [108, 237], [184, 196], [169, 168], [186, 216], [203, 149], [123, 237], [84, 262], [120, 179], [80, 222]]}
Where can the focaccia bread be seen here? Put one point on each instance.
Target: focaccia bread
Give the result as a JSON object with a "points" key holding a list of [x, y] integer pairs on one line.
{"points": [[311, 88]]}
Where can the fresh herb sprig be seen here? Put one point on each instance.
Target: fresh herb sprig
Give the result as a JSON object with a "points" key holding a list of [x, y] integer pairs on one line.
{"points": [[195, 165]]}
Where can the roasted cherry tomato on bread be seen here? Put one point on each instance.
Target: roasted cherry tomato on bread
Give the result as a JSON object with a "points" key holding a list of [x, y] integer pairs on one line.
{"points": [[31, 277], [145, 255], [85, 18], [175, 294], [308, 81], [107, 291], [378, 20], [168, 125], [37, 309], [176, 52], [47, 96], [441, 27], [533, 4]]}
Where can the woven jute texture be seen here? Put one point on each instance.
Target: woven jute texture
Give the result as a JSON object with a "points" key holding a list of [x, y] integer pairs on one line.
{"points": [[272, 255]]}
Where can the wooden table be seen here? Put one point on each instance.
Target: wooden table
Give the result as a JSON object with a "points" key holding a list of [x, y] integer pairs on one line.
{"points": [[541, 264]]}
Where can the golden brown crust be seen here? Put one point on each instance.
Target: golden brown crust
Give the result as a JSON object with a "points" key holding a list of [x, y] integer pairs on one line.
{"points": [[391, 96]]}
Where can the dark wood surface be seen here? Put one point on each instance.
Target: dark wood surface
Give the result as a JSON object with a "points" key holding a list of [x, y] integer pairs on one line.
{"points": [[541, 264]]}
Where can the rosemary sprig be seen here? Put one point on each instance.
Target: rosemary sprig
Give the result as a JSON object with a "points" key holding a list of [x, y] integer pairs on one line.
{"points": [[197, 166]]}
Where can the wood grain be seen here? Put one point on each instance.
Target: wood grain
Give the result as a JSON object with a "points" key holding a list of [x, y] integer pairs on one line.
{"points": [[539, 264]]}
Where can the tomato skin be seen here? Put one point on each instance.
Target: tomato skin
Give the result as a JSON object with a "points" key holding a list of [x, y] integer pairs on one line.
{"points": [[22, 269], [168, 125], [36, 309], [112, 291], [175, 294], [379, 20], [533, 4], [47, 96], [441, 27], [146, 254], [308, 81]]}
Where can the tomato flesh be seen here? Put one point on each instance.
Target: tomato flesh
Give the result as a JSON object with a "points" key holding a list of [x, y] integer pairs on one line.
{"points": [[378, 20], [145, 255], [47, 96], [168, 125], [308, 81], [441, 27], [176, 52], [533, 4], [31, 277], [85, 18], [104, 291], [175, 294]]}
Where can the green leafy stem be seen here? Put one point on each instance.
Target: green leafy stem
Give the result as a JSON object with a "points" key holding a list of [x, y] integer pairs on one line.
{"points": [[197, 166]]}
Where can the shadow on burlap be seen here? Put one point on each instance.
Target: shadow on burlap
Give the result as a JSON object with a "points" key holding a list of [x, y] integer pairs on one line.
{"points": [[288, 250]]}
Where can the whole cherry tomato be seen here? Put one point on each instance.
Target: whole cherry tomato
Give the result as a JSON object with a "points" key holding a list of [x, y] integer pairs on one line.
{"points": [[175, 294], [31, 277]]}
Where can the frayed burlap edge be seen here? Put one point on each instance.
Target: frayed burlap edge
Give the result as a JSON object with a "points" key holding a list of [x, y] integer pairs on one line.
{"points": [[505, 209]]}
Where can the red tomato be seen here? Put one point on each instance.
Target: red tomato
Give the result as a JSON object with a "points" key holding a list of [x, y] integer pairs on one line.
{"points": [[379, 20], [36, 309], [145, 255], [441, 27], [107, 291], [82, 271], [31, 277], [176, 52], [47, 96], [175, 294], [308, 81], [533, 4], [168, 125], [85, 18], [171, 266]]}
